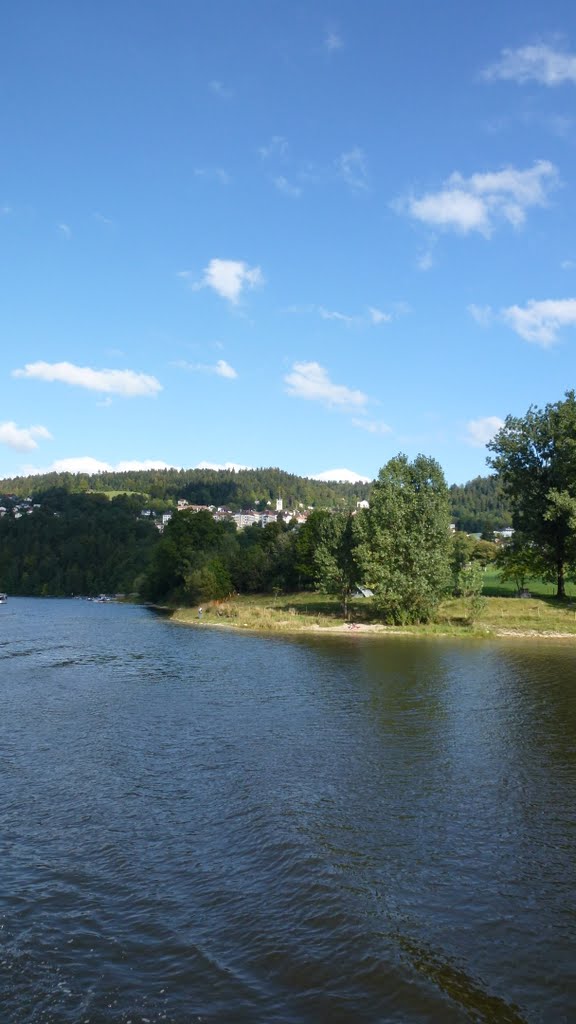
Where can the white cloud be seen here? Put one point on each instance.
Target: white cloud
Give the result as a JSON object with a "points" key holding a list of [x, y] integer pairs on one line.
{"points": [[537, 63], [477, 203], [311, 381], [228, 278], [88, 464], [235, 466], [372, 426], [347, 476], [221, 368], [66, 231], [287, 189], [482, 430], [22, 439], [483, 315], [213, 174], [332, 42], [127, 383], [377, 316], [353, 169], [277, 147], [541, 321]]}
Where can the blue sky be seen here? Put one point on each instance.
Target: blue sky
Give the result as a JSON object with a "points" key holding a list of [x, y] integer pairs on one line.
{"points": [[307, 235]]}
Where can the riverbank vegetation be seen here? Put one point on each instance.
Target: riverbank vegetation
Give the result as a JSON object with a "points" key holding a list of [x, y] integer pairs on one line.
{"points": [[312, 612], [399, 549]]}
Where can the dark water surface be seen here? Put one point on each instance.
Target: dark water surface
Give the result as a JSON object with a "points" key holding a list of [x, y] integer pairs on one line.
{"points": [[197, 825]]}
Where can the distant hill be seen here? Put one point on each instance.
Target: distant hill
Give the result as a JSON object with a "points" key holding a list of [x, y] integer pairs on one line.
{"points": [[480, 505], [233, 489], [477, 505]]}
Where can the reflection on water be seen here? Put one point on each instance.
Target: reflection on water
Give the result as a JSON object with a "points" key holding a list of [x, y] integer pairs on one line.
{"points": [[199, 825]]}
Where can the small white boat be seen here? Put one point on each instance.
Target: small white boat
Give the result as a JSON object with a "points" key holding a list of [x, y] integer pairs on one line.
{"points": [[3, 598]]}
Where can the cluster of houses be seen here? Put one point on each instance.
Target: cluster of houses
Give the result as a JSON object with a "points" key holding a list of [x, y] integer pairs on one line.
{"points": [[249, 517], [17, 507]]}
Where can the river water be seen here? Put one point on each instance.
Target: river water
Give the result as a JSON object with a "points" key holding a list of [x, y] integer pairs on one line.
{"points": [[203, 826]]}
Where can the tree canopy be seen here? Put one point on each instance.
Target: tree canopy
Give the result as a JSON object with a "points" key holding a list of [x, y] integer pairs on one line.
{"points": [[535, 458], [406, 539]]}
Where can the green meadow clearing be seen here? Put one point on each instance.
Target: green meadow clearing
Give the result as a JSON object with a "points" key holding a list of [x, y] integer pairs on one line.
{"points": [[503, 613]]}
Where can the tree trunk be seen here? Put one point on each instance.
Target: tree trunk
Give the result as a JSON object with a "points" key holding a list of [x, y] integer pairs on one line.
{"points": [[561, 583]]}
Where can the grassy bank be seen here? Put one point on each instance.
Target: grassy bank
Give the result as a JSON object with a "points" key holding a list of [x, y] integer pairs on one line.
{"points": [[308, 612]]}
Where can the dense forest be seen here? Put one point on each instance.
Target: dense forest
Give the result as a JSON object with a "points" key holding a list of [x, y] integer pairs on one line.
{"points": [[81, 537], [476, 507], [236, 490], [75, 544], [480, 506]]}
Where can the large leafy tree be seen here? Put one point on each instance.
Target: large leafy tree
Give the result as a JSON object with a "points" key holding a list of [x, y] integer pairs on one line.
{"points": [[535, 457], [406, 548], [336, 567]]}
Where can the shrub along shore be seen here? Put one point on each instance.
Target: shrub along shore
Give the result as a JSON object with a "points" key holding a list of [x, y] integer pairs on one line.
{"points": [[321, 614]]}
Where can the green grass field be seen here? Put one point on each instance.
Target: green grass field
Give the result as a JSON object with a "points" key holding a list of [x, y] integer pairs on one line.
{"points": [[538, 615], [495, 587]]}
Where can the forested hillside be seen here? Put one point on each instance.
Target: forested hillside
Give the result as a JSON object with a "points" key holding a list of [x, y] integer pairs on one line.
{"points": [[477, 505], [75, 544], [236, 490], [480, 505], [78, 539]]}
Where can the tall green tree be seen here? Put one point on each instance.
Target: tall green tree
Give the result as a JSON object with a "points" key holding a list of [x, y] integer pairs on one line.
{"points": [[535, 458], [336, 567], [406, 547]]}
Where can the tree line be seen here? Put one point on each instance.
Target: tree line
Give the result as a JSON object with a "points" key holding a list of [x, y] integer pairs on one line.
{"points": [[479, 506], [400, 547]]}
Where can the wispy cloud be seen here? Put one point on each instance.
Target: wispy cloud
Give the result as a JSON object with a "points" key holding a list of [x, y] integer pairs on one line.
{"points": [[217, 88], [425, 261], [66, 231], [333, 314], [217, 174], [483, 315], [102, 219], [378, 316], [221, 368], [228, 278], [568, 265], [536, 63], [480, 431], [373, 316], [541, 322], [312, 382], [480, 202], [126, 383], [287, 188], [276, 147], [22, 439], [353, 169], [332, 42], [372, 426]]}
